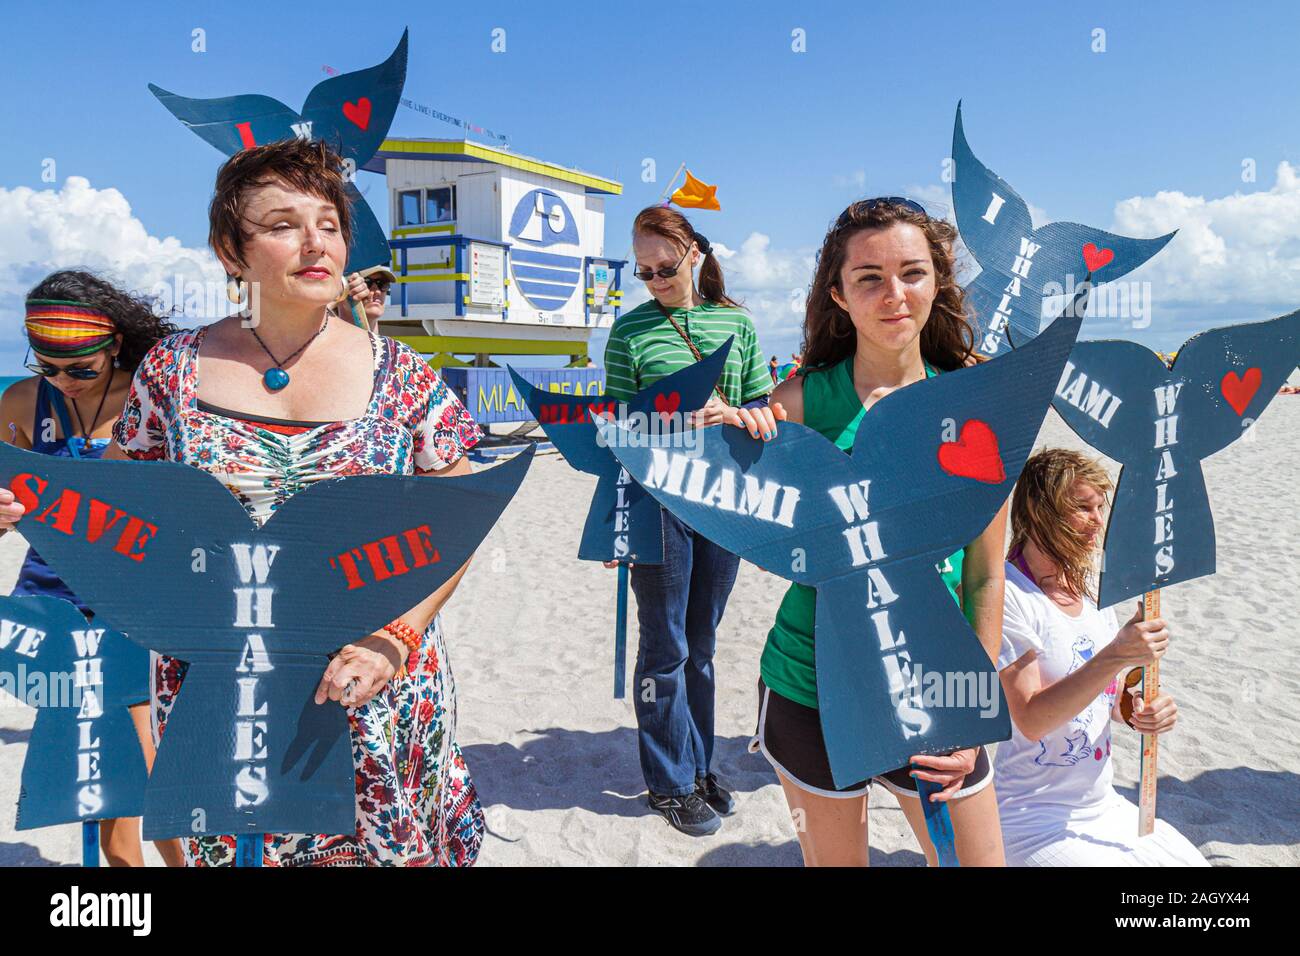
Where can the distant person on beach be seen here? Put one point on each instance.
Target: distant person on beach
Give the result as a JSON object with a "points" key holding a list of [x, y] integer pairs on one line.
{"points": [[1061, 664], [885, 311], [276, 400], [369, 288], [680, 602], [87, 337], [771, 368]]}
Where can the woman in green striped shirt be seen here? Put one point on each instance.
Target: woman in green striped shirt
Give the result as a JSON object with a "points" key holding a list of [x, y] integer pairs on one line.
{"points": [[680, 602], [884, 311]]}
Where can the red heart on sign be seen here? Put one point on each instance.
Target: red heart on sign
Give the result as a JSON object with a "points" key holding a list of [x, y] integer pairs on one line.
{"points": [[358, 112], [974, 454], [1095, 258], [665, 405], [1239, 390]]}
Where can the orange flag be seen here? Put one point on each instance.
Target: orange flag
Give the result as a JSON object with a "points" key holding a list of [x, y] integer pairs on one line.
{"points": [[694, 194]]}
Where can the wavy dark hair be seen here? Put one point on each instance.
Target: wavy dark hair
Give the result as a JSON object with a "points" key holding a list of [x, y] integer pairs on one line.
{"points": [[948, 338], [668, 223], [133, 315]]}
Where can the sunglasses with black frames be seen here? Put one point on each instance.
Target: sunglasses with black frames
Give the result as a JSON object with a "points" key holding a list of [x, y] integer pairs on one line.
{"points": [[867, 205], [667, 272], [80, 372]]}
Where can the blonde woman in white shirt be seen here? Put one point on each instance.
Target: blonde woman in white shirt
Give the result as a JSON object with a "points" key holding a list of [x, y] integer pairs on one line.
{"points": [[1061, 665]]}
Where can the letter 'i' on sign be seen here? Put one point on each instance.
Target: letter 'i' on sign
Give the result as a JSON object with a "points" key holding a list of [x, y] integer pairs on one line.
{"points": [[1022, 261], [991, 214]]}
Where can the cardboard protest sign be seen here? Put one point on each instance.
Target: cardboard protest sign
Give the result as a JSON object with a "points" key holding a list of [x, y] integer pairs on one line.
{"points": [[931, 465], [1020, 264], [84, 760], [350, 112], [1160, 423], [623, 522], [166, 553]]}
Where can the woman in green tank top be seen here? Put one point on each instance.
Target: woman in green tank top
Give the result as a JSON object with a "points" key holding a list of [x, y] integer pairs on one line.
{"points": [[884, 311]]}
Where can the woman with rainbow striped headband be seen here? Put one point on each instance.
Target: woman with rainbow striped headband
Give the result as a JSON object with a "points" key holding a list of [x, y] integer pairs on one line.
{"points": [[88, 337]]}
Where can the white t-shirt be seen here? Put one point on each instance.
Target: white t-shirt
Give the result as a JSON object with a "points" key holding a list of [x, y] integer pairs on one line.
{"points": [[1068, 773]]}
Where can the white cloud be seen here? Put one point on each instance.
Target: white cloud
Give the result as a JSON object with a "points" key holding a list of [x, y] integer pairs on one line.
{"points": [[1243, 248], [772, 284], [79, 226]]}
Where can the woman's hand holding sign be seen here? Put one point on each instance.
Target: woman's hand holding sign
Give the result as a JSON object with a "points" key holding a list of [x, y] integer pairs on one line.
{"points": [[947, 770], [359, 671], [760, 421]]}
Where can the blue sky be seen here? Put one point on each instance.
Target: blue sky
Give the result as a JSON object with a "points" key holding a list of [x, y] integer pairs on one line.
{"points": [[1163, 119]]}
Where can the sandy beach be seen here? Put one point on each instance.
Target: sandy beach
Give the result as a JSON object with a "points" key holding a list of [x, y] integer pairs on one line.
{"points": [[530, 633]]}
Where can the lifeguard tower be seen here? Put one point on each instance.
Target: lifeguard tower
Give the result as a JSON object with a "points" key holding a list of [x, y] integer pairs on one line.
{"points": [[495, 253]]}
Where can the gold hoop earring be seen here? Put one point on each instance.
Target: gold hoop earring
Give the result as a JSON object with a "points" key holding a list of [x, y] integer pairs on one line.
{"points": [[835, 323]]}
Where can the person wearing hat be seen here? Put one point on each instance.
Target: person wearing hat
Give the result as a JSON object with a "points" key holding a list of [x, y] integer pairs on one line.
{"points": [[88, 336], [368, 291]]}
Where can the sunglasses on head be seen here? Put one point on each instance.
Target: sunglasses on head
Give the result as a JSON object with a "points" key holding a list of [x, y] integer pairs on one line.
{"points": [[667, 272], [80, 372], [866, 205]]}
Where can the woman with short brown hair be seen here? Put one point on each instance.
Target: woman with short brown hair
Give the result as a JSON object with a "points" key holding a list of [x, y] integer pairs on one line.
{"points": [[287, 394]]}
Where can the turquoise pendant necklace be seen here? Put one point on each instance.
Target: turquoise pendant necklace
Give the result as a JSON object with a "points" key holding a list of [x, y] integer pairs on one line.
{"points": [[275, 377]]}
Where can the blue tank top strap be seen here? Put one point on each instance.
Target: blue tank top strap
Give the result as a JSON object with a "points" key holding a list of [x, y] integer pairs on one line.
{"points": [[50, 398]]}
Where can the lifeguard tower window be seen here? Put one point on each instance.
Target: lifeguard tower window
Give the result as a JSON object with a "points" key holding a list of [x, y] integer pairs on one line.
{"points": [[439, 204], [424, 206]]}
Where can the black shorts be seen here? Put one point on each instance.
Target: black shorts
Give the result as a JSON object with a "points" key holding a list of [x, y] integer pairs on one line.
{"points": [[790, 737]]}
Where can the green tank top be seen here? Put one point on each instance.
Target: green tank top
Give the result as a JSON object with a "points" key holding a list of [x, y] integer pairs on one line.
{"points": [[830, 406]]}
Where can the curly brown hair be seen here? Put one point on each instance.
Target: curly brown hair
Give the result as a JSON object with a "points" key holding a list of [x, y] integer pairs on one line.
{"points": [[948, 338], [1040, 512], [134, 315], [310, 167]]}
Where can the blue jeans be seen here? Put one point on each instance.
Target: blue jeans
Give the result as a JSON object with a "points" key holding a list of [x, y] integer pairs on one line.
{"points": [[679, 604]]}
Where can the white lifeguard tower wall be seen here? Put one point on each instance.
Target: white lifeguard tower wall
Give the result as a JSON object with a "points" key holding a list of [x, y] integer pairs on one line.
{"points": [[489, 245]]}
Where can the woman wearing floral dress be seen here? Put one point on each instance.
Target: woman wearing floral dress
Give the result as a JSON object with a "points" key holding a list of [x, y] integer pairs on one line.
{"points": [[274, 401]]}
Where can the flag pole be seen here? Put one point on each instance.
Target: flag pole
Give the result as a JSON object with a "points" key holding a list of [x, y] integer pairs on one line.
{"points": [[1150, 742], [659, 202]]}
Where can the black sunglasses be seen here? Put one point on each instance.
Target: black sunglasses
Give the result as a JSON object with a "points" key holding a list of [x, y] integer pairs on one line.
{"points": [[81, 373], [378, 285], [645, 275], [866, 205]]}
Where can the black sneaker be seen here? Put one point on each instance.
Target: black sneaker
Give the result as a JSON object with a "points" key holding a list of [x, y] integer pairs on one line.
{"points": [[688, 813], [708, 790]]}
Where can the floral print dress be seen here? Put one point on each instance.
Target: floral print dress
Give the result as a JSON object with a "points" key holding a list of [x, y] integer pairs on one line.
{"points": [[416, 804]]}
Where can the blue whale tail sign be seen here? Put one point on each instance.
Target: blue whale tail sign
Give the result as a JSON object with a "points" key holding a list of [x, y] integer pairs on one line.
{"points": [[1019, 264], [1160, 423], [83, 760], [350, 112], [168, 555]]}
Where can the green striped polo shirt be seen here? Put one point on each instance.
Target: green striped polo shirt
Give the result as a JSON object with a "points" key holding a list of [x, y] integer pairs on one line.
{"points": [[643, 347]]}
